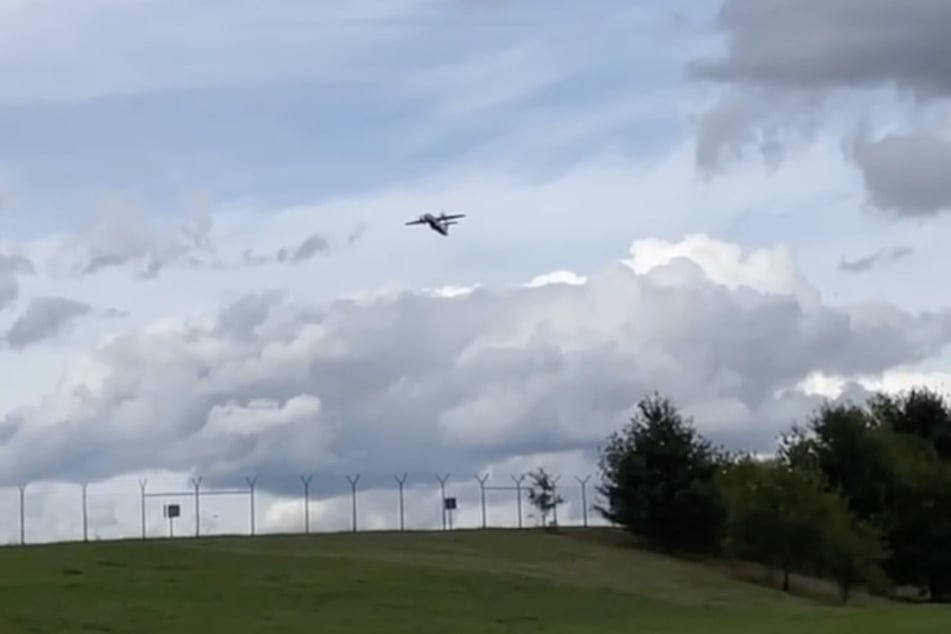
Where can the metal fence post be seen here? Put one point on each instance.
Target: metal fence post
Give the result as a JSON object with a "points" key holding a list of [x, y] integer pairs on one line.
{"points": [[584, 499], [401, 482], [305, 480], [482, 480], [353, 493], [251, 482], [196, 482]]}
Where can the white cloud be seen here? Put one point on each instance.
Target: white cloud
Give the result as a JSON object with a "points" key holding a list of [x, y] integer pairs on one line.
{"points": [[557, 277], [769, 270], [892, 381]]}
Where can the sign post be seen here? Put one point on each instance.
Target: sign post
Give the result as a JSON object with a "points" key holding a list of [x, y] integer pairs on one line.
{"points": [[171, 511], [449, 505]]}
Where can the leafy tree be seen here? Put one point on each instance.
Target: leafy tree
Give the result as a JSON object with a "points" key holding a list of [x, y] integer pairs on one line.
{"points": [[920, 412], [658, 480], [543, 494], [842, 443], [886, 462], [783, 515], [918, 524], [774, 514], [851, 550]]}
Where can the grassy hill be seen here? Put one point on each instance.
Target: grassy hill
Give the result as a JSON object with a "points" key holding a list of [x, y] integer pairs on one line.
{"points": [[461, 582]]}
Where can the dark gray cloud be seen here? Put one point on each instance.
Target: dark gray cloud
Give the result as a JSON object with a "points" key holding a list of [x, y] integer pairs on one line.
{"points": [[803, 44], [358, 232], [427, 383], [867, 262], [43, 318], [114, 313], [311, 246], [752, 119], [784, 59], [11, 268], [308, 248], [905, 173]]}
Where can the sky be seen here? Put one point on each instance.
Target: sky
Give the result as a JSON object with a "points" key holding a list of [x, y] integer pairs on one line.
{"points": [[205, 272]]}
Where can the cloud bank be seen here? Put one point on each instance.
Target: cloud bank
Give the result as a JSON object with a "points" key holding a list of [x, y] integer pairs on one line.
{"points": [[269, 386]]}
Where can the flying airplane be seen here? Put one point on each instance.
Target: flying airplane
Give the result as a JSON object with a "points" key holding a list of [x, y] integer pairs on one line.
{"points": [[440, 224]]}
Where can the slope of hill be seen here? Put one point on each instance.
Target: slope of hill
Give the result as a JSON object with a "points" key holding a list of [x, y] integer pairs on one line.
{"points": [[460, 582]]}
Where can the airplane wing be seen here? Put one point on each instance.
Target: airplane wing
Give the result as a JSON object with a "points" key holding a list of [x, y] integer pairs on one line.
{"points": [[452, 216]]}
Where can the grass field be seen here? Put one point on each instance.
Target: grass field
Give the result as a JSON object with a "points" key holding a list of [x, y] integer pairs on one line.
{"points": [[477, 582]]}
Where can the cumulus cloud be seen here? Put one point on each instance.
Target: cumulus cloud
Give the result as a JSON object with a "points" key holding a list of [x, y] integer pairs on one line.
{"points": [[44, 317], [767, 270], [434, 383]]}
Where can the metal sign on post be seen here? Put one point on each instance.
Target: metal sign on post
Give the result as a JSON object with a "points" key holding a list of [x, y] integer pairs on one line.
{"points": [[171, 511], [197, 493], [449, 504]]}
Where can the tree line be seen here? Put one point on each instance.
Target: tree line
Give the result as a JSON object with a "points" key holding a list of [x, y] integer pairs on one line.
{"points": [[859, 494]]}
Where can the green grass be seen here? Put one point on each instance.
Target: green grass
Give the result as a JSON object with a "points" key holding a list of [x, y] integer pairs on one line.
{"points": [[478, 582]]}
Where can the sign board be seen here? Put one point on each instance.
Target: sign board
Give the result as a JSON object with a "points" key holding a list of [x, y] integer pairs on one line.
{"points": [[172, 510], [449, 504]]}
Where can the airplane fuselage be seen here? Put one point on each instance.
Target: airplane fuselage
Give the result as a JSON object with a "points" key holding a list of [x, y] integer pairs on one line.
{"points": [[436, 226]]}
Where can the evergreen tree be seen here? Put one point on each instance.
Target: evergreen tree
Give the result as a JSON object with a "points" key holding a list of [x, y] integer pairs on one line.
{"points": [[658, 480]]}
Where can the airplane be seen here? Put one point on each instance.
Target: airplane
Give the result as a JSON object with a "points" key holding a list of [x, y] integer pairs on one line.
{"points": [[440, 224]]}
